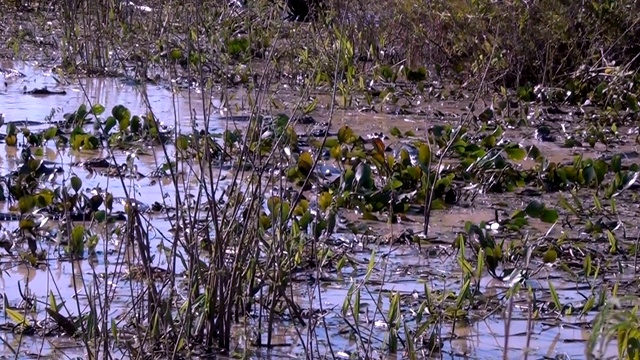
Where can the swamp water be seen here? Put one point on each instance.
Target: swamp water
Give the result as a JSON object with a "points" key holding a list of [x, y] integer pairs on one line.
{"points": [[402, 268]]}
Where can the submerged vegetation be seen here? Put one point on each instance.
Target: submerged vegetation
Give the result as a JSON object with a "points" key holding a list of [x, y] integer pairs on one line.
{"points": [[274, 196]]}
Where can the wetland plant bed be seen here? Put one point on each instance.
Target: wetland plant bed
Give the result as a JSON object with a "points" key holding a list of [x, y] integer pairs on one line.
{"points": [[317, 238], [405, 239], [504, 43]]}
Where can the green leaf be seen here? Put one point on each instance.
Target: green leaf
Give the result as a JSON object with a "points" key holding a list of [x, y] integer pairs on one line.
{"points": [[97, 109], [554, 296], [26, 224], [549, 216], [182, 143], [613, 242], [16, 316], [601, 168], [550, 256], [11, 140], [588, 305], [324, 200], [565, 205], [535, 209], [82, 112], [50, 133], [175, 54], [395, 184], [305, 220], [92, 143], [109, 124], [345, 135], [237, 46], [396, 132], [76, 245], [121, 114], [372, 263], [12, 129], [616, 163], [515, 153], [76, 183], [480, 265], [26, 204], [100, 216], [364, 175], [329, 143], [135, 124], [424, 156], [52, 302], [305, 163]]}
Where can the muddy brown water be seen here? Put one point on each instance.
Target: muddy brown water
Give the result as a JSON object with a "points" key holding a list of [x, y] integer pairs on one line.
{"points": [[406, 269]]}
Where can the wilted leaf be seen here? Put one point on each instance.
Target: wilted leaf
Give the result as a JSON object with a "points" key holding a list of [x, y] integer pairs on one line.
{"points": [[378, 146]]}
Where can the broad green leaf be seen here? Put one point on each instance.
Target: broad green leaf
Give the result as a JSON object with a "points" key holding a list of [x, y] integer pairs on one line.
{"points": [[100, 216], [324, 201], [121, 114], [26, 204], [345, 134], [76, 183], [515, 153], [50, 133], [550, 256], [175, 54], [424, 155], [97, 109], [135, 124], [109, 124], [549, 216], [364, 175], [182, 142], [305, 163], [535, 209], [11, 140]]}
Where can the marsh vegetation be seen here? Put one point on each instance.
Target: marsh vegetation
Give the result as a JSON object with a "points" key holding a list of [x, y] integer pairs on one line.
{"points": [[393, 179]]}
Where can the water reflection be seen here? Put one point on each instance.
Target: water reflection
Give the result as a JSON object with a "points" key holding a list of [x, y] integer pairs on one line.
{"points": [[169, 107]]}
